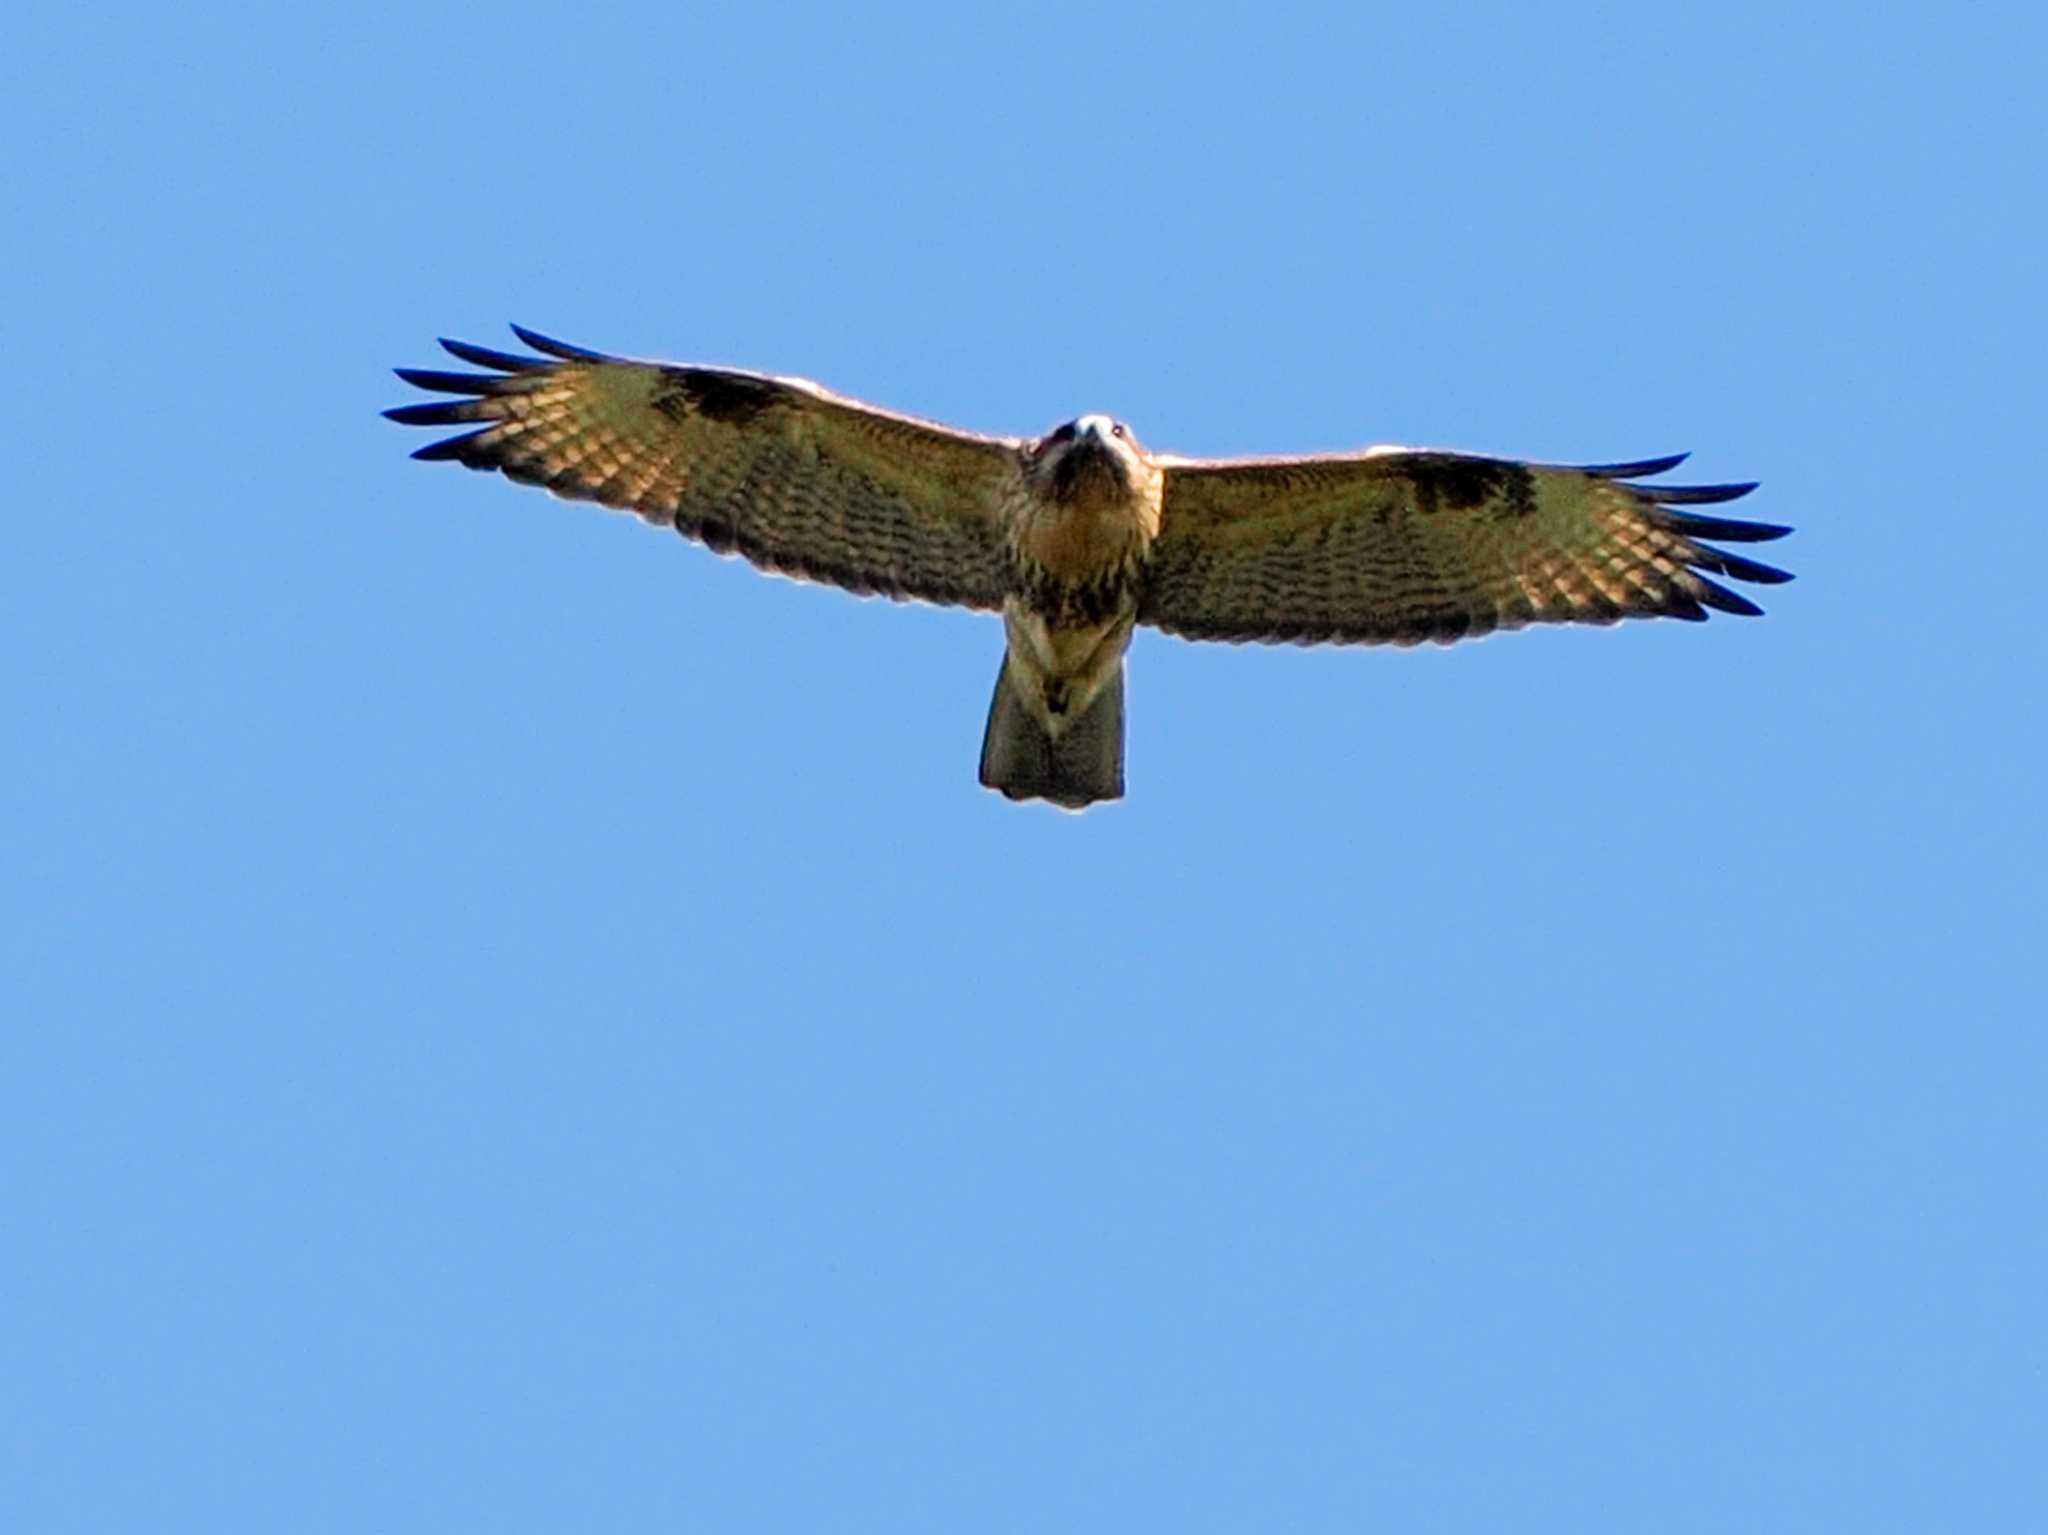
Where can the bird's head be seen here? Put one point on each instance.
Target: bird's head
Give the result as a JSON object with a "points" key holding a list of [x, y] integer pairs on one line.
{"points": [[1092, 458]]}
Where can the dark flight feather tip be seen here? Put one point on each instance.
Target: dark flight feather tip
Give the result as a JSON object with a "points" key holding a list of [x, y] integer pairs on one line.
{"points": [[452, 447], [432, 413], [554, 348], [1641, 467], [1693, 495], [1738, 568], [1715, 595], [457, 383], [1722, 529], [484, 357]]}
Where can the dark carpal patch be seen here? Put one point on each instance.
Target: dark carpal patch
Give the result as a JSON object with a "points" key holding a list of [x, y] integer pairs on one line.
{"points": [[1518, 492], [733, 399], [1459, 484]]}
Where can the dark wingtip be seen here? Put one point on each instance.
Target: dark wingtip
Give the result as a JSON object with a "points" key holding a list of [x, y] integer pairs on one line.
{"points": [[554, 348], [1735, 566], [449, 447], [1715, 595], [485, 357], [1721, 529], [1641, 466], [432, 413], [1694, 495], [454, 383]]}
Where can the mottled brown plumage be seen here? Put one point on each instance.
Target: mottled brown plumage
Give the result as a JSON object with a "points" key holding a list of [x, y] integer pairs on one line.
{"points": [[789, 475], [1397, 546], [1080, 535]]}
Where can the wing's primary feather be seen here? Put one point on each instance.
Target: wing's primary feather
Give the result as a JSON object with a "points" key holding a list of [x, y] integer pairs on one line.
{"points": [[796, 479], [1397, 547]]}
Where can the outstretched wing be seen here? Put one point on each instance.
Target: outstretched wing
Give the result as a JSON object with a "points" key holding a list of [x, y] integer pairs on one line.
{"points": [[1398, 546], [793, 477]]}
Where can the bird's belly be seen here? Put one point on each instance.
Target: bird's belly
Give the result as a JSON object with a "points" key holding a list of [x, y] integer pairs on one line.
{"points": [[1062, 667], [1061, 649], [1070, 616]]}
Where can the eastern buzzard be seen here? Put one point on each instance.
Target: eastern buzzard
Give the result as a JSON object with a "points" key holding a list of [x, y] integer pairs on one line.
{"points": [[1079, 535]]}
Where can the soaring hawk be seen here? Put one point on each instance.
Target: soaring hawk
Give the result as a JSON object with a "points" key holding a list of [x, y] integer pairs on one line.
{"points": [[1079, 535]]}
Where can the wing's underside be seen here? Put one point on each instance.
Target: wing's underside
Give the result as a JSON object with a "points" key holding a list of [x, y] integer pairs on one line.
{"points": [[790, 476], [1391, 546], [1399, 547]]}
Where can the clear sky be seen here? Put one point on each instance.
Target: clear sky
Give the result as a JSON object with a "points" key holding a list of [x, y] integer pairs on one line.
{"points": [[514, 1023]]}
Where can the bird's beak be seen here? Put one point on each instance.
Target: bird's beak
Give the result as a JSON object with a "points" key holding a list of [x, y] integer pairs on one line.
{"points": [[1090, 464]]}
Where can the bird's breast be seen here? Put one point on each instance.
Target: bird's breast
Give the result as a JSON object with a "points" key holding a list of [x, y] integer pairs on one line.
{"points": [[1078, 543], [1078, 567], [1079, 539]]}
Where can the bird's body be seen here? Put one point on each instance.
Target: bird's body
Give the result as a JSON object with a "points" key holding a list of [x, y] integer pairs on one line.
{"points": [[1079, 536], [1081, 520]]}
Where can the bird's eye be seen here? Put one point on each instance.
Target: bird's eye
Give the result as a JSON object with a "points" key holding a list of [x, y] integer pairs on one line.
{"points": [[1116, 429]]}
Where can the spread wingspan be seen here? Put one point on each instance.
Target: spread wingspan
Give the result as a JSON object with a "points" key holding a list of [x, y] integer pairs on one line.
{"points": [[794, 478], [1396, 547]]}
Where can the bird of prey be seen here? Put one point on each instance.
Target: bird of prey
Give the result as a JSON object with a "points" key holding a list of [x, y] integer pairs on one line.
{"points": [[1081, 534]]}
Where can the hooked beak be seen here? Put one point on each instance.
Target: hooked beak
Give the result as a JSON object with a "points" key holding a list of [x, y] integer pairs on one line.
{"points": [[1090, 463]]}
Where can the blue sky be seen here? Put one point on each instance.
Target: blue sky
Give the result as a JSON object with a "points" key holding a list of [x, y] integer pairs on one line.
{"points": [[516, 1023]]}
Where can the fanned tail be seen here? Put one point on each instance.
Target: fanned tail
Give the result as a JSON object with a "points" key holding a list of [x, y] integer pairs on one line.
{"points": [[1074, 769]]}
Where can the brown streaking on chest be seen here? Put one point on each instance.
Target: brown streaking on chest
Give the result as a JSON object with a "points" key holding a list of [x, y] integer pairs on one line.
{"points": [[1084, 604]]}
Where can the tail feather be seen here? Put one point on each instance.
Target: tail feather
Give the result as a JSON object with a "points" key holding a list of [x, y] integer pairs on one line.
{"points": [[1084, 763]]}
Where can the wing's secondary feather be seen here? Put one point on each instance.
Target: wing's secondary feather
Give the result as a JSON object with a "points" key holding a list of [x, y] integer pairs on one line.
{"points": [[1398, 547], [792, 477]]}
